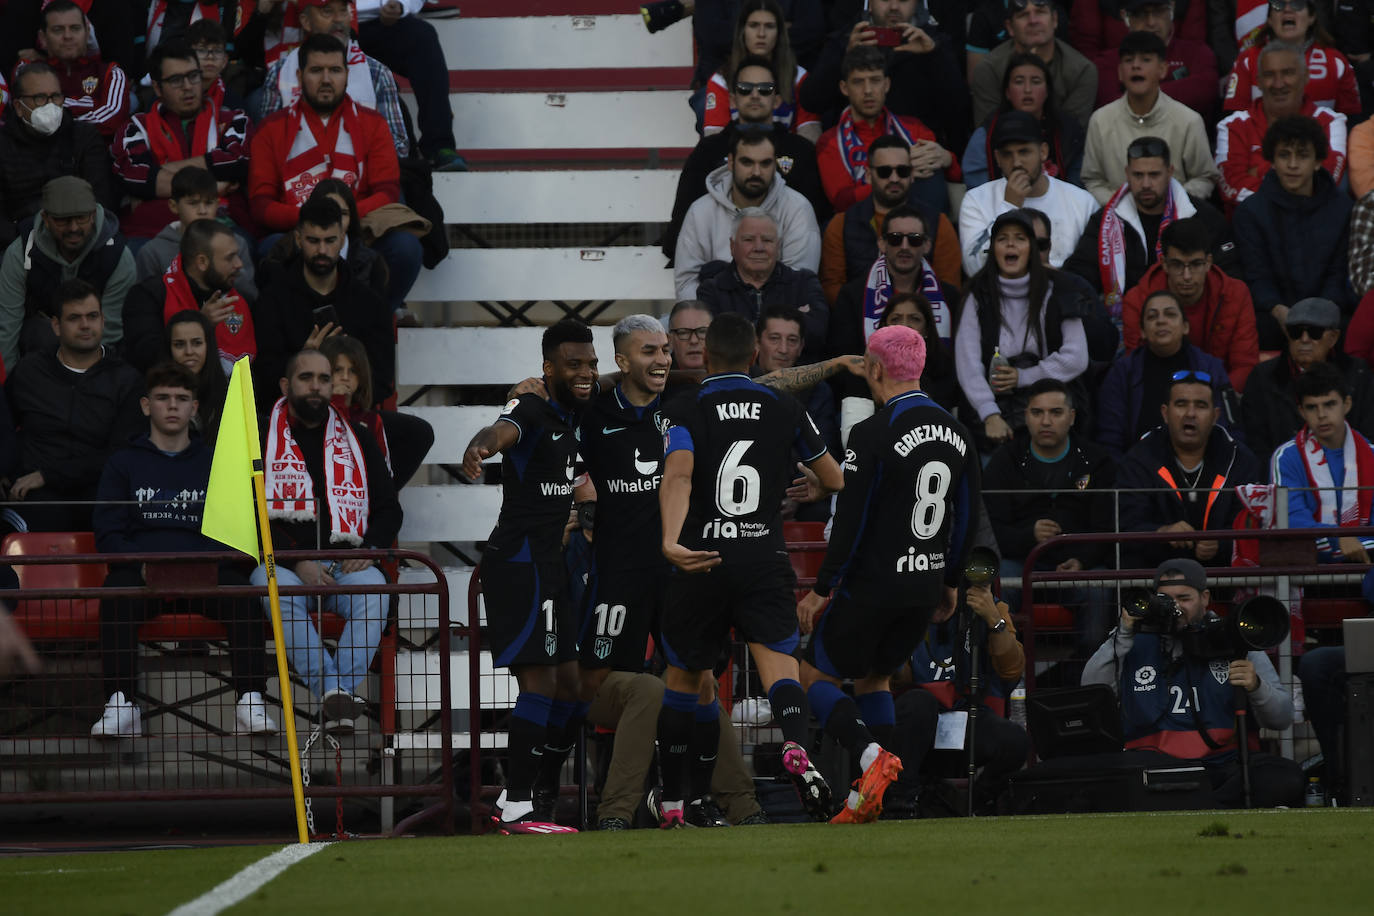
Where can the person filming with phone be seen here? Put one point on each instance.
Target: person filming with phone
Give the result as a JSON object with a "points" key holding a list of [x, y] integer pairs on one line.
{"points": [[313, 299]]}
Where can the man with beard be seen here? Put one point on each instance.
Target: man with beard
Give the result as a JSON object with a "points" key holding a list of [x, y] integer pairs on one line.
{"points": [[1019, 146], [531, 622], [201, 277], [850, 244], [330, 133], [370, 83], [71, 237], [324, 475], [325, 133], [77, 404], [96, 93], [749, 178], [313, 299], [182, 128]]}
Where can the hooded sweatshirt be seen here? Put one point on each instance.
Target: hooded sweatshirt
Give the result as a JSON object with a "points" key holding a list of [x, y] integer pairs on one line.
{"points": [[21, 256], [710, 220], [156, 256], [151, 501]]}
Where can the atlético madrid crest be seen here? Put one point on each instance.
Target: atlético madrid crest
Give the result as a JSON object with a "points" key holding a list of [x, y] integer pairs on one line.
{"points": [[602, 648], [551, 643]]}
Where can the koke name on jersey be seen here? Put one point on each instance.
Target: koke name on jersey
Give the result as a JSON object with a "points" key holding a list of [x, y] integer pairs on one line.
{"points": [[734, 410]]}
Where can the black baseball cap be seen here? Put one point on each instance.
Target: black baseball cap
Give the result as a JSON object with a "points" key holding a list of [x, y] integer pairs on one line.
{"points": [[1181, 571], [1016, 127]]}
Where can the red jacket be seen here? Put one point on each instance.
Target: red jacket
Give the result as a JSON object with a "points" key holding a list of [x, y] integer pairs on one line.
{"points": [[1241, 135], [97, 92], [1330, 81], [840, 186], [1222, 322], [380, 182]]}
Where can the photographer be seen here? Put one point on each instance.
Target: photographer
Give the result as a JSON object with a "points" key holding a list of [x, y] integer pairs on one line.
{"points": [[1179, 704]]}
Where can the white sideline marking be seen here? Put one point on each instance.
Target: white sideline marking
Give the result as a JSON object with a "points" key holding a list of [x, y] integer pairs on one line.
{"points": [[226, 894]]}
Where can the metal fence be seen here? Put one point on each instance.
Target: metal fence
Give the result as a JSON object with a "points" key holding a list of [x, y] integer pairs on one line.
{"points": [[182, 656]]}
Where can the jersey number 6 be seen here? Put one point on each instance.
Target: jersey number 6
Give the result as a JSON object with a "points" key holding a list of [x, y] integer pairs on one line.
{"points": [[737, 485]]}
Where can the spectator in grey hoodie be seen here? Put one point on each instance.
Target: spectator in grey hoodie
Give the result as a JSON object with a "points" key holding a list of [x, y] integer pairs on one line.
{"points": [[194, 196], [749, 178]]}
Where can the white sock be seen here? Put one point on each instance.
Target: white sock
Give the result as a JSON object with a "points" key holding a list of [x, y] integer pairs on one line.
{"points": [[869, 755], [671, 806], [514, 810]]}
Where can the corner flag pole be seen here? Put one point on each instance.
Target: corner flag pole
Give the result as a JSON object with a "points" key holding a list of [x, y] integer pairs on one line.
{"points": [[229, 519], [269, 562]]}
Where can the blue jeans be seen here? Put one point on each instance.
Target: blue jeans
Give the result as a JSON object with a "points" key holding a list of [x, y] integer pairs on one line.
{"points": [[365, 616], [402, 253]]}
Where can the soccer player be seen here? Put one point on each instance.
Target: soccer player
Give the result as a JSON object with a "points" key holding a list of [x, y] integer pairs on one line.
{"points": [[532, 625], [725, 452], [902, 527]]}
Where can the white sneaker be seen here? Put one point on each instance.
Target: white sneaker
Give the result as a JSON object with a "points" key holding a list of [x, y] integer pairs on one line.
{"points": [[252, 716], [121, 719]]}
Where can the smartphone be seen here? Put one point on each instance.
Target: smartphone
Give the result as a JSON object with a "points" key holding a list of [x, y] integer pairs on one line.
{"points": [[888, 38], [326, 315]]}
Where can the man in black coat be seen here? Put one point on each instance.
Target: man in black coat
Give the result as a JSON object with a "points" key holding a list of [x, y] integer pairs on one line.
{"points": [[1182, 477], [313, 299], [755, 278], [1139, 215], [73, 406], [796, 156], [36, 151], [1269, 411], [1049, 482]]}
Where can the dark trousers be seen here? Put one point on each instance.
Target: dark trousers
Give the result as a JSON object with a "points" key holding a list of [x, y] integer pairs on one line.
{"points": [[1322, 672], [999, 745], [120, 619], [48, 509], [410, 47]]}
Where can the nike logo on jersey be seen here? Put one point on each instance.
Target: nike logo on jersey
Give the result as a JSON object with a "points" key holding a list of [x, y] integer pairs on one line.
{"points": [[607, 430], [645, 467], [555, 436]]}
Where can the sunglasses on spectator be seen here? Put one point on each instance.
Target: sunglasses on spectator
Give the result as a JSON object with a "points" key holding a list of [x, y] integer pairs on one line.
{"points": [[1147, 148], [1296, 331], [764, 89], [1192, 375], [38, 101], [189, 78], [914, 239], [885, 171], [1017, 6], [686, 334], [1296, 6]]}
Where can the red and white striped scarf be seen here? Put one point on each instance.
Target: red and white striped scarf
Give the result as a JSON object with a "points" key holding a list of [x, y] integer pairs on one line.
{"points": [[234, 336], [319, 151], [1111, 246], [360, 88], [291, 491], [1359, 469], [166, 144], [1251, 15]]}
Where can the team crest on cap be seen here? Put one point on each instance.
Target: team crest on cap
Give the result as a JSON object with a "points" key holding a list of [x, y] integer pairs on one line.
{"points": [[785, 164], [89, 84], [1221, 669]]}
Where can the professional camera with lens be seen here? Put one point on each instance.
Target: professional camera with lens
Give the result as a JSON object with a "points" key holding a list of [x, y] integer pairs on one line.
{"points": [[1154, 612], [1257, 624]]}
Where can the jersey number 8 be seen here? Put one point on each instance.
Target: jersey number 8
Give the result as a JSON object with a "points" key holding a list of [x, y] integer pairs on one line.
{"points": [[929, 512], [737, 485]]}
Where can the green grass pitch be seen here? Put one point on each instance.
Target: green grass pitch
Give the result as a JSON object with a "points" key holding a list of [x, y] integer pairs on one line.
{"points": [[1258, 862]]}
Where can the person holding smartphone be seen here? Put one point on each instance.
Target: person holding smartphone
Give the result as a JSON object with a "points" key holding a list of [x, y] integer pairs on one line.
{"points": [[313, 299]]}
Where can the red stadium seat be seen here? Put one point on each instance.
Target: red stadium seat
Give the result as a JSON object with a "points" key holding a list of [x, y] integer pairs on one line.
{"points": [[1053, 617], [805, 563], [57, 619]]}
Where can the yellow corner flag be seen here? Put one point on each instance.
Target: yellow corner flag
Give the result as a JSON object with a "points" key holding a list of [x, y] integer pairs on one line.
{"points": [[236, 484]]}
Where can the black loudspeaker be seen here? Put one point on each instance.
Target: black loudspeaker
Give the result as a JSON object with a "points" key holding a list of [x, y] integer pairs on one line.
{"points": [[1359, 739]]}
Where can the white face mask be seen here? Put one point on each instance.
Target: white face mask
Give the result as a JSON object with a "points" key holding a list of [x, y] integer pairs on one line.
{"points": [[46, 118]]}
